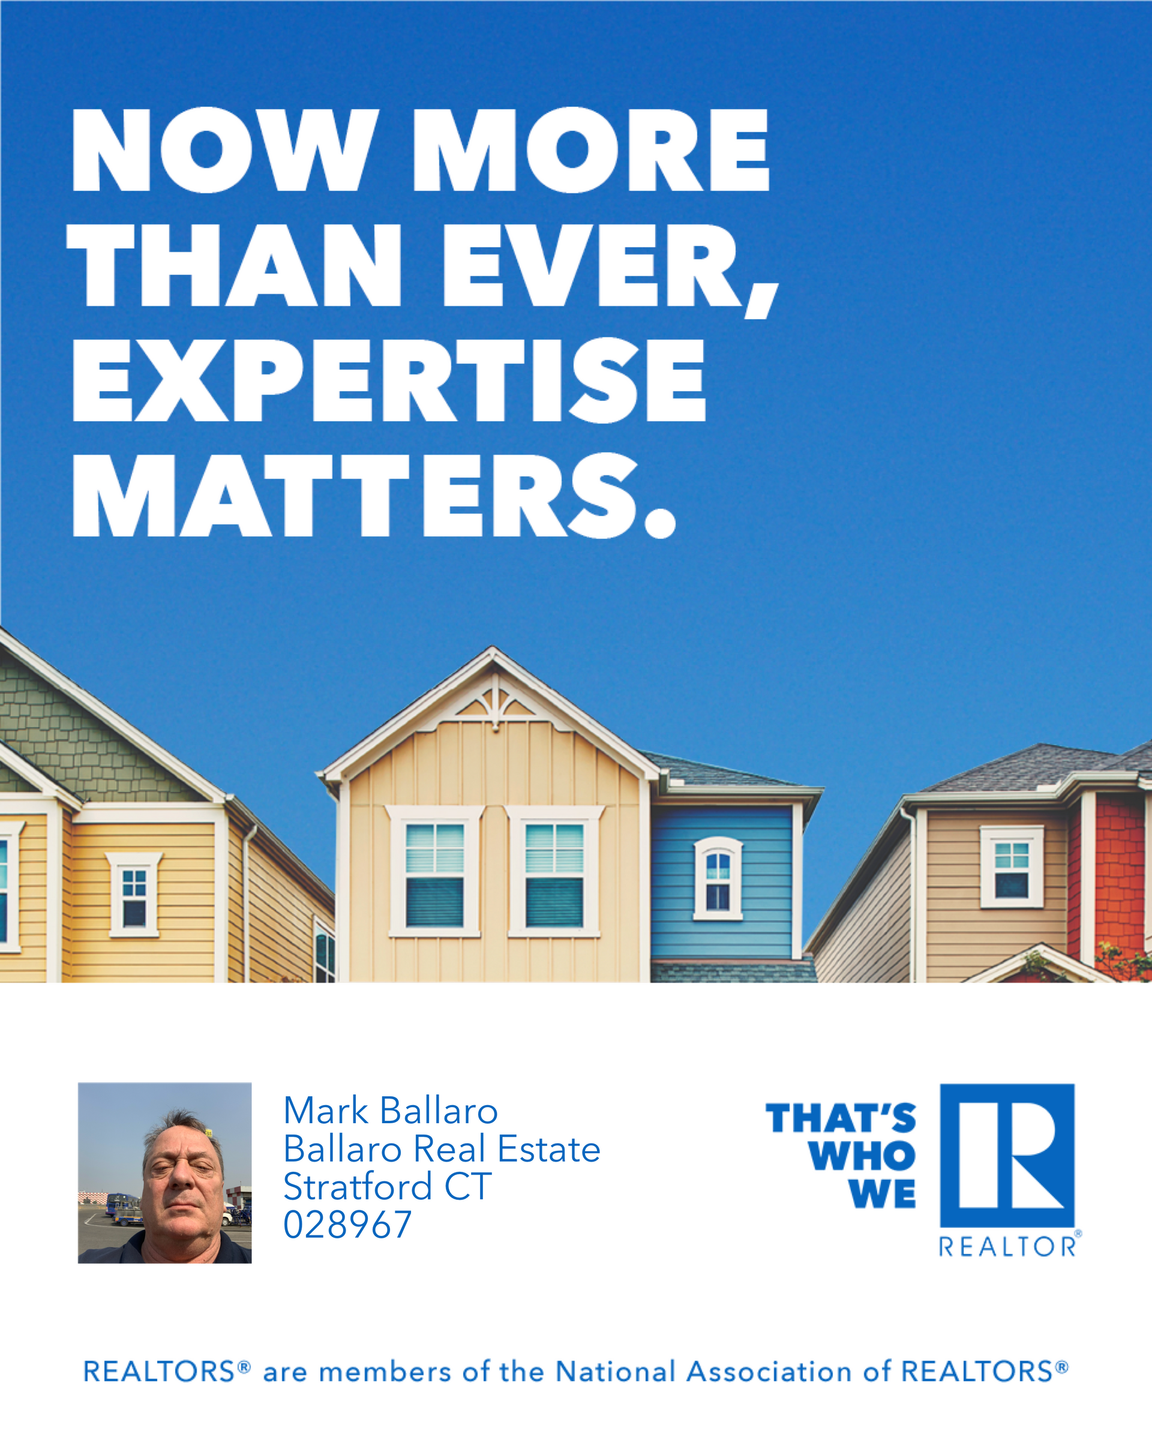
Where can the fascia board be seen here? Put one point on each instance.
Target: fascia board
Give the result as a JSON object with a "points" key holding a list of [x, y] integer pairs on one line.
{"points": [[35, 776], [980, 799], [267, 840], [114, 722], [1051, 956], [757, 794], [584, 722], [785, 792], [1097, 780], [350, 764]]}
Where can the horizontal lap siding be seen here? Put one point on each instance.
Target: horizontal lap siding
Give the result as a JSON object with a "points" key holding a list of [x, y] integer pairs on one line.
{"points": [[280, 921], [235, 904], [524, 763], [32, 962], [963, 939], [184, 904], [765, 932], [873, 942]]}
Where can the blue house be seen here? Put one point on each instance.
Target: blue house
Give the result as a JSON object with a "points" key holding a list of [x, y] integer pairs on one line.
{"points": [[493, 831], [727, 875]]}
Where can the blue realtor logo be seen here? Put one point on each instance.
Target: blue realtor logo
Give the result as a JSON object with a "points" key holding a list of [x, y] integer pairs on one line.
{"points": [[1007, 1155]]}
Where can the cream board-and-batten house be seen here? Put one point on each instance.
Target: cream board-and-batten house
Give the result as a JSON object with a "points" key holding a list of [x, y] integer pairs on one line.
{"points": [[1033, 868], [119, 863], [493, 831]]}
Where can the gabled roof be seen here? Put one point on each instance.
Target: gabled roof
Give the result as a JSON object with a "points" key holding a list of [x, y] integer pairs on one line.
{"points": [[48, 785], [1059, 966], [433, 701], [1025, 769], [108, 717]]}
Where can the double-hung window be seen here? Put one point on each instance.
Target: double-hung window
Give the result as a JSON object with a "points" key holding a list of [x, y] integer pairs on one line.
{"points": [[555, 887], [435, 870], [718, 879], [134, 894], [10, 886], [324, 952], [1011, 867]]}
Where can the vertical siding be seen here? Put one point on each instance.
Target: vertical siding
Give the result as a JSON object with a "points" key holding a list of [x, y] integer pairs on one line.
{"points": [[873, 942], [184, 910], [963, 939], [32, 961], [765, 932], [524, 763]]}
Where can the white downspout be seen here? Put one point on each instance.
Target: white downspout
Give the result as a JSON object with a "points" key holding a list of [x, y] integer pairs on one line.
{"points": [[917, 918], [244, 865]]}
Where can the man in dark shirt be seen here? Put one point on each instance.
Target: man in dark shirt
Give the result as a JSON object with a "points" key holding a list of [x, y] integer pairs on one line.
{"points": [[183, 1202]]}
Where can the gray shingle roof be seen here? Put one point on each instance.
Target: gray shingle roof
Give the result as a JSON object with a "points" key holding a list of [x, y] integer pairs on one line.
{"points": [[1025, 769], [692, 772], [775, 972], [1138, 759]]}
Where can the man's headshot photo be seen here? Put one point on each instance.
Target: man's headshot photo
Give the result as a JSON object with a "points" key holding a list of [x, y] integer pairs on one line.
{"points": [[183, 1213]]}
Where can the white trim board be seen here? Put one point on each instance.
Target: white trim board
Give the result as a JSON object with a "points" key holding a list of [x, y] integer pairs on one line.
{"points": [[1088, 878], [43, 782], [10, 831], [1052, 957], [116, 723], [129, 813], [519, 818], [399, 818], [353, 761]]}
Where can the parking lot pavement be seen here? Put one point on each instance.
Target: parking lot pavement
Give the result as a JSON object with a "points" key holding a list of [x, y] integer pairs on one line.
{"points": [[97, 1231]]}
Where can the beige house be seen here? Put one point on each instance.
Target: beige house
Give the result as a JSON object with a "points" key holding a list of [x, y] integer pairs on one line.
{"points": [[1032, 868], [493, 831], [119, 863]]}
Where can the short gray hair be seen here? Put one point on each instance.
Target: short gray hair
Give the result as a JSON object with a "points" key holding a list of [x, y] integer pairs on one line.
{"points": [[186, 1120]]}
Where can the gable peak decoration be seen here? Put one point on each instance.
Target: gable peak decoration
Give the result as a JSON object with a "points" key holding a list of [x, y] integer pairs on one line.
{"points": [[497, 700]]}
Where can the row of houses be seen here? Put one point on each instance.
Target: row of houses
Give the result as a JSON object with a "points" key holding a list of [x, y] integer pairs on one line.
{"points": [[493, 831]]}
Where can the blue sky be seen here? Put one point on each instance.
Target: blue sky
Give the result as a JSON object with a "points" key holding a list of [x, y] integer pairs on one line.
{"points": [[908, 532], [115, 1118]]}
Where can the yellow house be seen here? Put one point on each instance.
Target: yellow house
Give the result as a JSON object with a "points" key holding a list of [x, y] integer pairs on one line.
{"points": [[493, 831], [119, 863]]}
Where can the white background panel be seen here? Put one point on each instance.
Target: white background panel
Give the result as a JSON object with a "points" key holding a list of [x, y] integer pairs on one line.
{"points": [[699, 1235]]}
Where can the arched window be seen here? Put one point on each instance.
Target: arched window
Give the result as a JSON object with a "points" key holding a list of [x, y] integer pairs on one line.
{"points": [[718, 879]]}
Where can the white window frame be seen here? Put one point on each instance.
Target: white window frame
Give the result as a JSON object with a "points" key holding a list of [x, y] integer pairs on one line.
{"points": [[10, 831], [320, 928], [134, 860], [990, 836], [400, 817], [734, 849], [519, 818]]}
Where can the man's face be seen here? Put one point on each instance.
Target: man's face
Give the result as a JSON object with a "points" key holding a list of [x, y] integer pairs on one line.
{"points": [[183, 1187]]}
